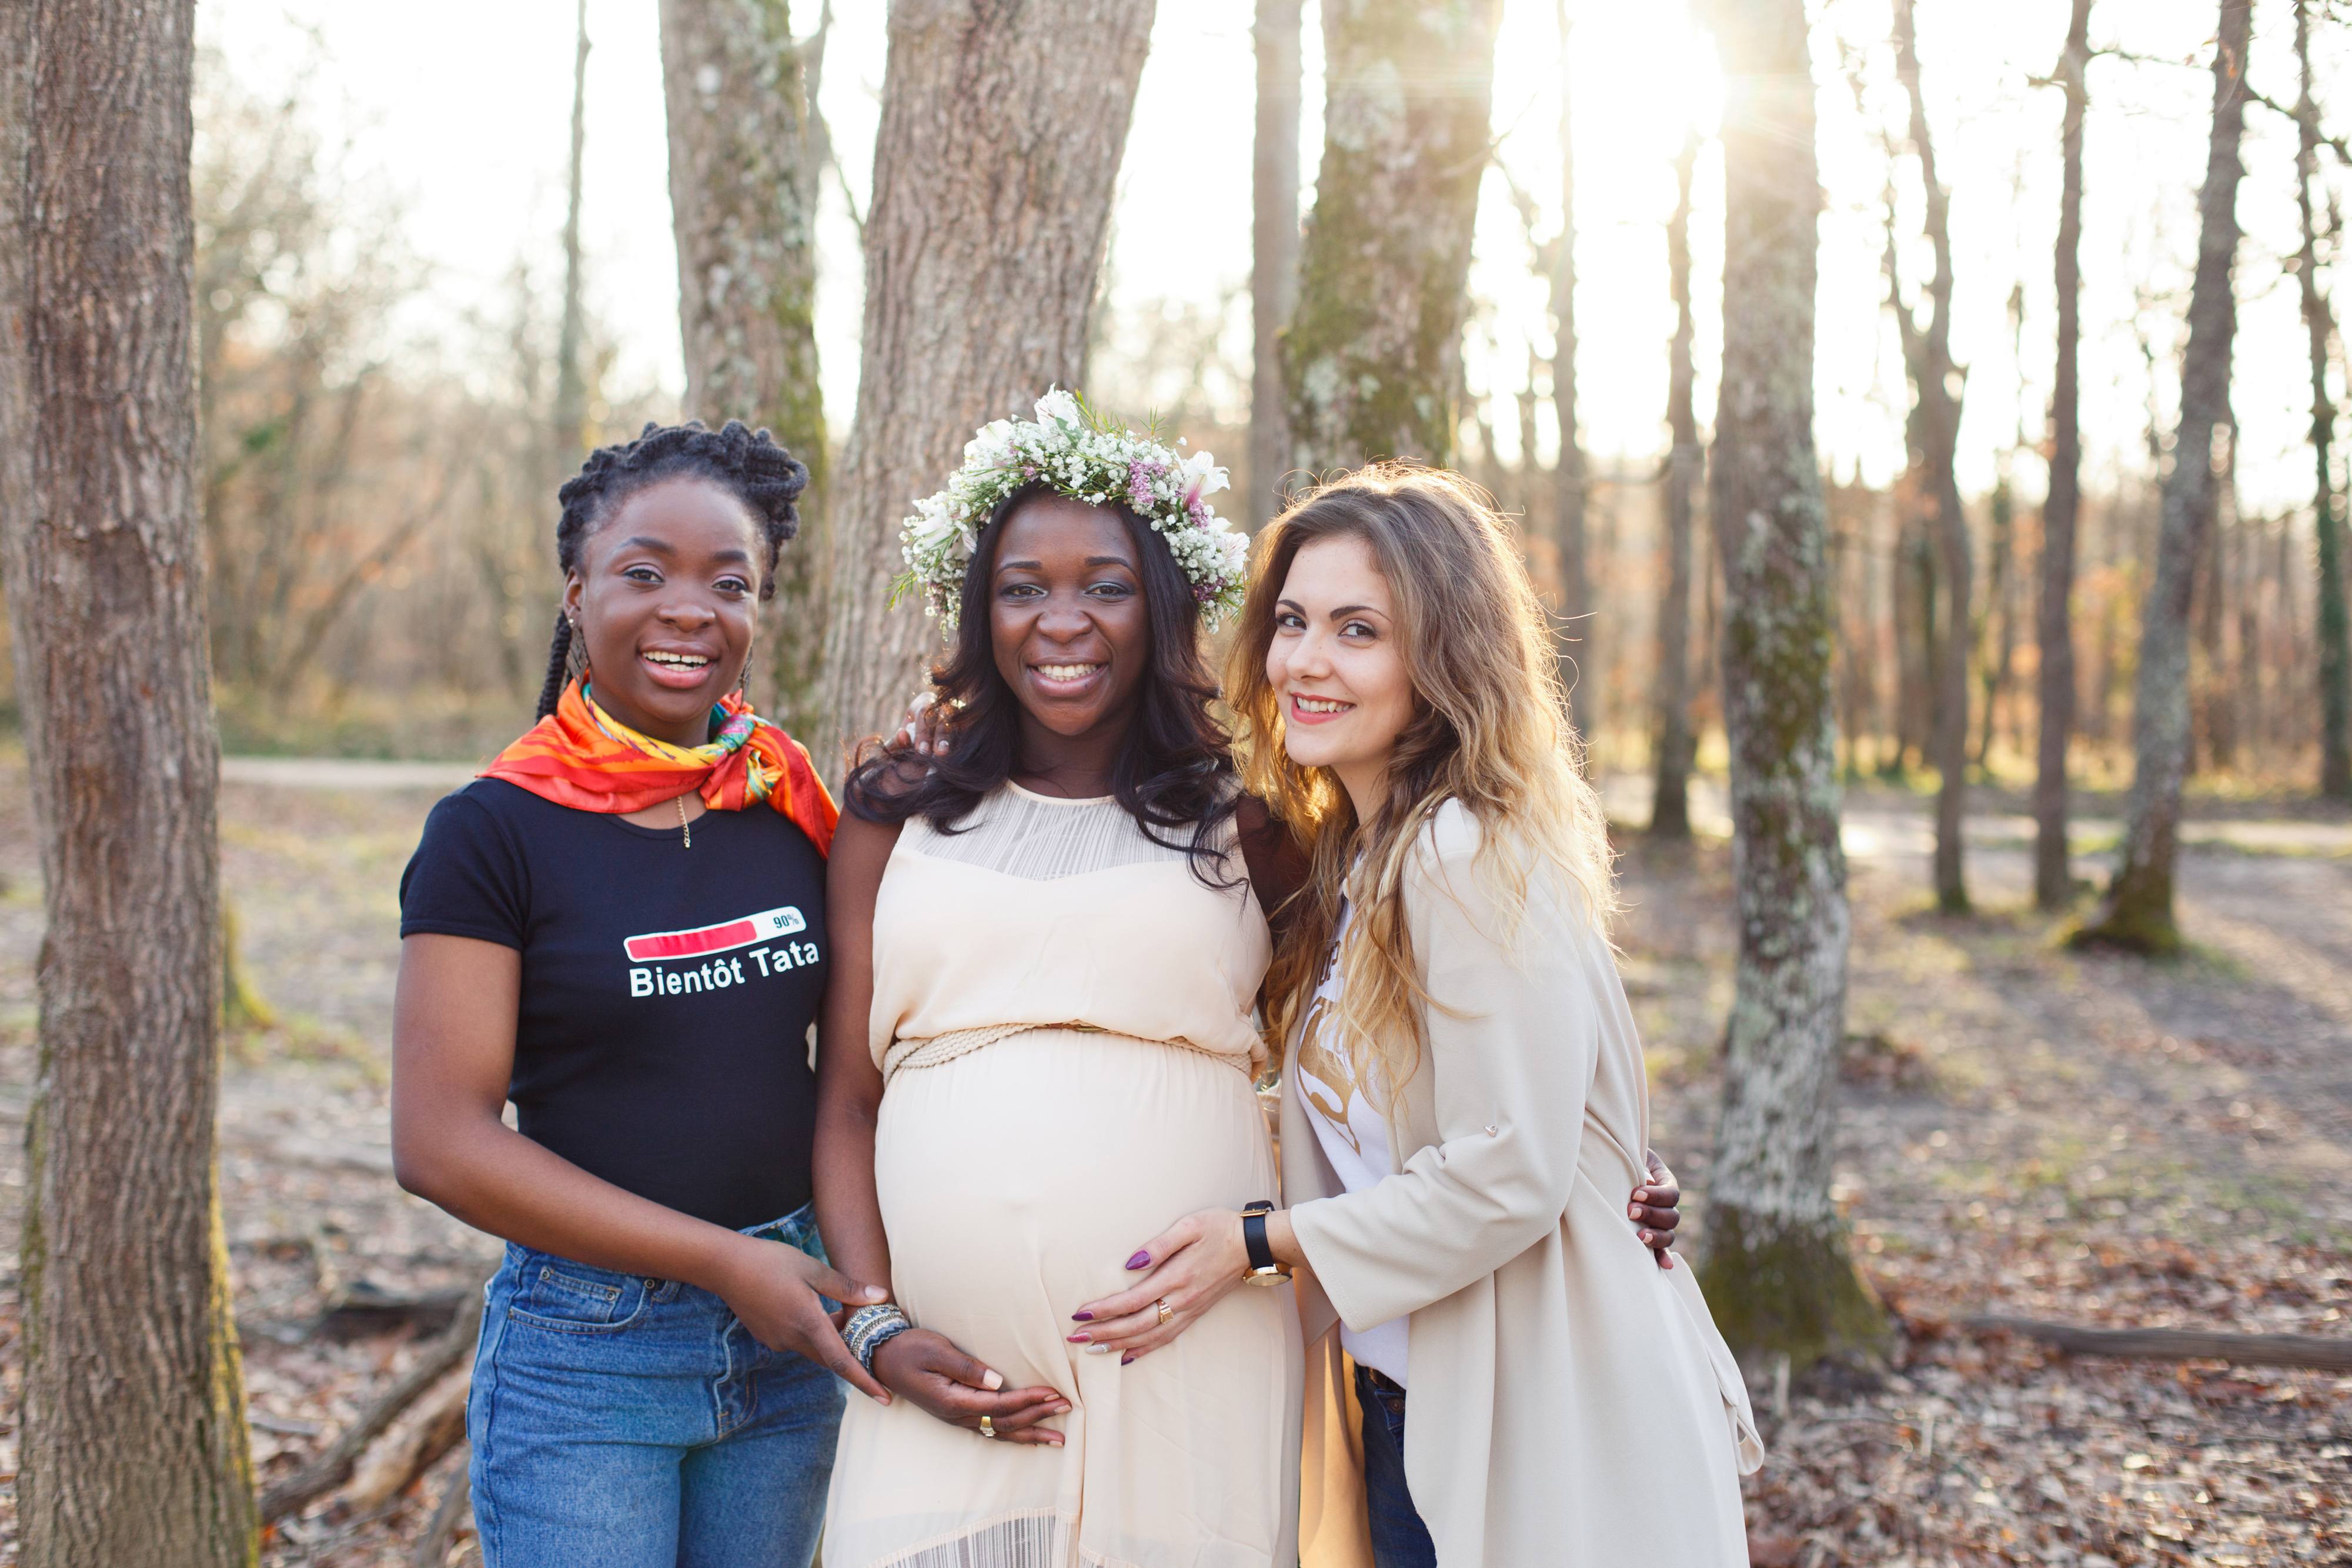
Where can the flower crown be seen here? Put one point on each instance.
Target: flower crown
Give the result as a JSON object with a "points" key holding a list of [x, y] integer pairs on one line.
{"points": [[1089, 455]]}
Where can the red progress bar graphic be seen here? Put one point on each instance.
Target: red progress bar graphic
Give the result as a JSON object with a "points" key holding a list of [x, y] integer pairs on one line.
{"points": [[722, 937]]}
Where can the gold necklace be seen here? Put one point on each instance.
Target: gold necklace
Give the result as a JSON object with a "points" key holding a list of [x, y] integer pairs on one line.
{"points": [[684, 826]]}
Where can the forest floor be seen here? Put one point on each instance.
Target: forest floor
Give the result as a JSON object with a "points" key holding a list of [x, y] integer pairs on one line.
{"points": [[2024, 1131]]}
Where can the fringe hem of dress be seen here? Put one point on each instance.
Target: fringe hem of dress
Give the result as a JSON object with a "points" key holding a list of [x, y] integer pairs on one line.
{"points": [[1034, 1538]]}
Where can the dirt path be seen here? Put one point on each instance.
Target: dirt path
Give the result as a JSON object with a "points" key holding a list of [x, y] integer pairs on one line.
{"points": [[2024, 1131]]}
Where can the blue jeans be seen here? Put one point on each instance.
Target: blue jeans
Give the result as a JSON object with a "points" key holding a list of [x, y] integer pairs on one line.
{"points": [[634, 1423], [1400, 1540]]}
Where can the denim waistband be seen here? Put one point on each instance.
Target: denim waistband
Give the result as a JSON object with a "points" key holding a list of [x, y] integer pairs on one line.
{"points": [[797, 1229]]}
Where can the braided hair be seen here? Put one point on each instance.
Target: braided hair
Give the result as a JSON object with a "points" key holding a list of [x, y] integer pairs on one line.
{"points": [[746, 463]]}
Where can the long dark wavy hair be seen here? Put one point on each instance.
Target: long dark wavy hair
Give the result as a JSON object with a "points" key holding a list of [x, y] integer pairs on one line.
{"points": [[1174, 774]]}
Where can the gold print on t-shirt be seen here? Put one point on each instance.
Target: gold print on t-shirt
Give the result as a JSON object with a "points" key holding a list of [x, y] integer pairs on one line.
{"points": [[1317, 1060]]}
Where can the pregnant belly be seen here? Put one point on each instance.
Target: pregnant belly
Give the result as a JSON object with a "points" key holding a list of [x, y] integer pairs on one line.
{"points": [[1016, 1181]]}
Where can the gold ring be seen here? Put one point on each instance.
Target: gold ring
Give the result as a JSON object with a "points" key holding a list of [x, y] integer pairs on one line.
{"points": [[987, 1427], [1166, 1313]]}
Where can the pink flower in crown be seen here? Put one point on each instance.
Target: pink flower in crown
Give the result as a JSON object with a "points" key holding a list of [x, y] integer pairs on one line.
{"points": [[1139, 474]]}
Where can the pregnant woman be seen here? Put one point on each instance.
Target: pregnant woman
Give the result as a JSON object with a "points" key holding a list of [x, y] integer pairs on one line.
{"points": [[621, 929], [1039, 1030], [1468, 1095]]}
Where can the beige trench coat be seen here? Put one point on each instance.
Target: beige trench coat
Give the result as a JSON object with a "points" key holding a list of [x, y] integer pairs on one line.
{"points": [[1572, 1405]]}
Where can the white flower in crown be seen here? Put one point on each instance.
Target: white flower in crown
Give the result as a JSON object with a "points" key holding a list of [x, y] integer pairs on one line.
{"points": [[1202, 476], [1080, 451]]}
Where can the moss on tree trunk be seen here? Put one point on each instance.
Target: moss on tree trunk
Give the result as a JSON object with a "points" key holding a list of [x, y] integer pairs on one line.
{"points": [[1370, 357], [1776, 1261], [1788, 1286]]}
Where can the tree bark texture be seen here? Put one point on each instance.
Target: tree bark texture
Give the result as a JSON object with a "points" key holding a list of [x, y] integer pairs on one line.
{"points": [[1568, 474], [2053, 877], [1273, 248], [1373, 359], [1003, 126], [2137, 913], [743, 165], [1776, 1268], [1935, 432], [570, 430], [1670, 801], [2319, 321], [134, 1446]]}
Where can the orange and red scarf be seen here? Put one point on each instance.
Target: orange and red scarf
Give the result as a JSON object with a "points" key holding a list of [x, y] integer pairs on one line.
{"points": [[579, 755]]}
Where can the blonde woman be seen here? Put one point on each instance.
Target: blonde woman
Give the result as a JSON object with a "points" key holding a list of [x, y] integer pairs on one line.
{"points": [[1465, 1096]]}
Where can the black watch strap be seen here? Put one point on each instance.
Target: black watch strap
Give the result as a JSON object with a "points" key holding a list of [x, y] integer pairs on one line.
{"points": [[1261, 1255]]}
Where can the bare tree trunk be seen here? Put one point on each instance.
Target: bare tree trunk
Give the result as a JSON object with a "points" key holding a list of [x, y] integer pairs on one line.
{"points": [[994, 171], [134, 1445], [744, 158], [2319, 321], [1371, 360], [2214, 719], [1928, 354], [1993, 662], [2137, 913], [1777, 1270], [1569, 474], [570, 385], [1670, 801], [2053, 878], [1274, 249]]}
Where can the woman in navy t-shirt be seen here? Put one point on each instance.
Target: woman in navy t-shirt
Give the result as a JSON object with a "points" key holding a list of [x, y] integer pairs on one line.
{"points": [[584, 935]]}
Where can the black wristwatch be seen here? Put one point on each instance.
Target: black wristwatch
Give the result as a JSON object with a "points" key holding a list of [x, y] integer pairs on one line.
{"points": [[1263, 1269]]}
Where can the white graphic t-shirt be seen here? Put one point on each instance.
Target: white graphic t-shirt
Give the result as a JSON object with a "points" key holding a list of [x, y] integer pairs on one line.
{"points": [[1353, 1132]]}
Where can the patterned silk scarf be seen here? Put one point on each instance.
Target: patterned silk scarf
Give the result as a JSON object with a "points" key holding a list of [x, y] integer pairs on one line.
{"points": [[579, 755]]}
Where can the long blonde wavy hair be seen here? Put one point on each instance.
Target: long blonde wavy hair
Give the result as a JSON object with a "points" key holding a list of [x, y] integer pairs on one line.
{"points": [[1489, 730]]}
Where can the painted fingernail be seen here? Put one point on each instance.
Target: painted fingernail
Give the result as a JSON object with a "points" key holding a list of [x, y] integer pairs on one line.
{"points": [[1127, 1357], [1082, 1317], [1097, 1350], [1061, 1410], [1079, 1338], [876, 1294], [1139, 1261], [994, 1381], [1632, 1212]]}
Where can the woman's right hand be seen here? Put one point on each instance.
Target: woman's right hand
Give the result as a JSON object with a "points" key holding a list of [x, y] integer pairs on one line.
{"points": [[776, 1290], [929, 1370]]}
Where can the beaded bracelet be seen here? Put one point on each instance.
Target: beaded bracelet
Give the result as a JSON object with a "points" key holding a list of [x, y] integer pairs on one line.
{"points": [[871, 1328]]}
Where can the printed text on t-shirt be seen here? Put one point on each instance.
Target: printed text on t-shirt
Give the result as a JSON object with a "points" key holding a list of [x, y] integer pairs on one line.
{"points": [[707, 942]]}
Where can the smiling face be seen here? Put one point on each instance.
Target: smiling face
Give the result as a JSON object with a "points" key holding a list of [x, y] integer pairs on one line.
{"points": [[1068, 623], [665, 597], [1337, 665]]}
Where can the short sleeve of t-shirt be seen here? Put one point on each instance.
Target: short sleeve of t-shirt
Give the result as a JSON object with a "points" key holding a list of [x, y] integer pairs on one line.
{"points": [[467, 879]]}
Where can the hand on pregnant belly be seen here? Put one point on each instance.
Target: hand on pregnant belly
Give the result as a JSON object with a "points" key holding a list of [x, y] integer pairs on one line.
{"points": [[925, 1367], [1192, 1265]]}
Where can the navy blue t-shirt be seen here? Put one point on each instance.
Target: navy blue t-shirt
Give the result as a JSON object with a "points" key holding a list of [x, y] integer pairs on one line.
{"points": [[667, 991]]}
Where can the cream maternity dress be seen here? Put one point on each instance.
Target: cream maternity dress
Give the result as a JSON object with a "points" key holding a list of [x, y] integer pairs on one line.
{"points": [[1061, 1015]]}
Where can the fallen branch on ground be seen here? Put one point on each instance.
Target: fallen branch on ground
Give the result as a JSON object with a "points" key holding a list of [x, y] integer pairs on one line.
{"points": [[2178, 1344], [332, 1467], [413, 1445]]}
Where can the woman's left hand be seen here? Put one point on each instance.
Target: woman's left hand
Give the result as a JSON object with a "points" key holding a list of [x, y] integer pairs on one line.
{"points": [[1193, 1264]]}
